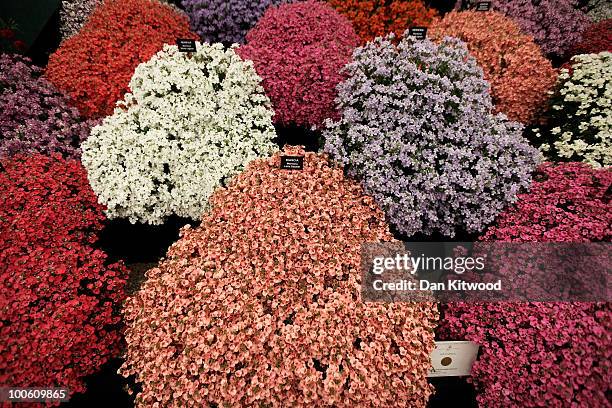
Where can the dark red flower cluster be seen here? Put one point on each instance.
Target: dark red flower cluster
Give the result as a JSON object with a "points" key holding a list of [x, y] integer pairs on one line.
{"points": [[94, 67], [7, 33], [59, 298], [567, 202], [8, 42], [596, 38]]}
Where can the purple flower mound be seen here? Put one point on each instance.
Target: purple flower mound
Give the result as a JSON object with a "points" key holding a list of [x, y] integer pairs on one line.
{"points": [[555, 25], [226, 21], [417, 129], [34, 115]]}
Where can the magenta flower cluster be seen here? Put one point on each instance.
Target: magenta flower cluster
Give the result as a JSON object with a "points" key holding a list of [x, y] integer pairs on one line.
{"points": [[34, 116], [536, 354], [544, 354], [299, 51], [567, 202]]}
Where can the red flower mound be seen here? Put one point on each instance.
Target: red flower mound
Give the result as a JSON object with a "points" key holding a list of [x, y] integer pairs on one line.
{"points": [[94, 67], [376, 18], [298, 50], [519, 74], [544, 354], [58, 296], [261, 305], [596, 38]]}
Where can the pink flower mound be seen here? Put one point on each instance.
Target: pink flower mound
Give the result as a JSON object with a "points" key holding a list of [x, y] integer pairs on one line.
{"points": [[566, 203], [519, 74], [544, 354], [299, 50], [261, 304], [537, 354]]}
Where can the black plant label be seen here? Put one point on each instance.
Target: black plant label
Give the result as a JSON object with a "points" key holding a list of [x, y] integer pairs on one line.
{"points": [[418, 32], [292, 162], [186, 45], [483, 6]]}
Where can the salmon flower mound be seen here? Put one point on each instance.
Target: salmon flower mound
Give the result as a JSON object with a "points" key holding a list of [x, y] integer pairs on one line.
{"points": [[519, 73], [261, 304]]}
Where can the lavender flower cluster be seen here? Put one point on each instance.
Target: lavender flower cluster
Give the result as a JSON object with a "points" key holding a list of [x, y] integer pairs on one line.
{"points": [[226, 21], [417, 129], [73, 14], [555, 25], [34, 115]]}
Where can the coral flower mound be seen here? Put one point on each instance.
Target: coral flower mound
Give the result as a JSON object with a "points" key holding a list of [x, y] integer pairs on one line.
{"points": [[520, 76], [94, 67], [375, 18], [544, 354], [261, 304], [226, 21], [299, 51], [59, 298]]}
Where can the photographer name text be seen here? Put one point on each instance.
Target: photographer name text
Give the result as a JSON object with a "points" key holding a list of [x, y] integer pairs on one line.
{"points": [[425, 285]]}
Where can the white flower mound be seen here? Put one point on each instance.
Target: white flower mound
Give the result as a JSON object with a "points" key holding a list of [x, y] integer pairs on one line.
{"points": [[191, 122], [581, 129], [590, 88]]}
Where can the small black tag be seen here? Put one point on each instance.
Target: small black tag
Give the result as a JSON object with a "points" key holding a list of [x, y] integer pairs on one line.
{"points": [[483, 6], [186, 45], [418, 32], [292, 162]]}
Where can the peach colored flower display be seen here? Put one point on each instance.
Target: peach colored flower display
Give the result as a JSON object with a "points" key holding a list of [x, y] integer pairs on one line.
{"points": [[519, 74], [261, 304]]}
